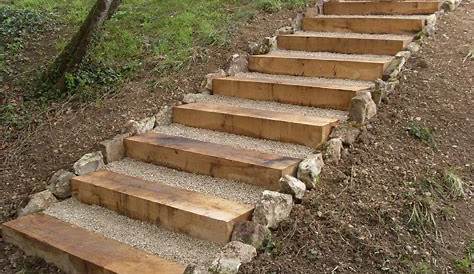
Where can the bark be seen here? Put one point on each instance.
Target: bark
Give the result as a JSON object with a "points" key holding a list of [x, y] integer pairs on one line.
{"points": [[74, 53]]}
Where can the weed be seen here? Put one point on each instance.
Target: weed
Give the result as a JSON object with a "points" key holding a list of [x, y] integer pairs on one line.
{"points": [[422, 268], [422, 133], [422, 214], [466, 264], [454, 184]]}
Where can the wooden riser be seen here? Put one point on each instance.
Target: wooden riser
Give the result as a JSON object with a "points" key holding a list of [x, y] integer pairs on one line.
{"points": [[346, 45], [78, 251], [301, 66], [289, 93], [279, 126], [381, 8], [374, 25], [201, 216], [252, 167]]}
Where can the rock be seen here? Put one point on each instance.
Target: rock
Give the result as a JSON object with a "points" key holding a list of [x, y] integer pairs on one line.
{"points": [[89, 163], [285, 30], [232, 256], [381, 90], [260, 48], [347, 133], [450, 5], [239, 63], [396, 66], [38, 202], [142, 126], [193, 97], [272, 208], [113, 149], [211, 76], [59, 184], [362, 108], [293, 186], [251, 233], [333, 151], [195, 269], [309, 170], [297, 23], [164, 117], [413, 47], [430, 27], [271, 42]]}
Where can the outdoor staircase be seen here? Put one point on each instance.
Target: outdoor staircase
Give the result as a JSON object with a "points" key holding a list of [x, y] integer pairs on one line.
{"points": [[290, 98]]}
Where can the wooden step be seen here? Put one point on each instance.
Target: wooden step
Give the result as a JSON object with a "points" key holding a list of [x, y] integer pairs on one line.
{"points": [[365, 24], [355, 67], [315, 92], [249, 166], [380, 7], [76, 250], [279, 126], [344, 43], [201, 216]]}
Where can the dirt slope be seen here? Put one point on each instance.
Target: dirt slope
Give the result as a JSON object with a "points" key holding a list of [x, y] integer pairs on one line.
{"points": [[359, 223]]}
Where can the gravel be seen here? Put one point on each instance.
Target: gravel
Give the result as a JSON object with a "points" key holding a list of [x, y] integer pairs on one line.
{"points": [[237, 141], [226, 189], [375, 16], [353, 35], [303, 80], [274, 106], [329, 56], [148, 237]]}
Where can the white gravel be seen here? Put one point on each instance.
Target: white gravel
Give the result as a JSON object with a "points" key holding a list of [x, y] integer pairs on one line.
{"points": [[329, 56], [275, 106], [226, 189], [148, 237], [303, 80], [353, 35], [237, 141]]}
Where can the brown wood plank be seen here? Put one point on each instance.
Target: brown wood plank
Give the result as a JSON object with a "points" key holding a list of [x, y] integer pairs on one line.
{"points": [[324, 96], [318, 67], [347, 45], [78, 251], [202, 216], [253, 167], [381, 8], [375, 25], [279, 126]]}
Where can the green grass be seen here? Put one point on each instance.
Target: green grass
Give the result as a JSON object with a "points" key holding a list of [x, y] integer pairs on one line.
{"points": [[466, 264], [422, 133]]}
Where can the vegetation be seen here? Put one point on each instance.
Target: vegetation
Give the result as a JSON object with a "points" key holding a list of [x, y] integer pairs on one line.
{"points": [[422, 133], [466, 264], [160, 34]]}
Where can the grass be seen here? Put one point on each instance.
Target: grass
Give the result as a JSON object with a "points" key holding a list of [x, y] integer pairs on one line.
{"points": [[466, 264], [454, 184], [422, 133]]}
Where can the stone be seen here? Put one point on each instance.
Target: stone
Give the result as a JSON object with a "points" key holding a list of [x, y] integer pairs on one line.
{"points": [[164, 117], [271, 42], [238, 64], [88, 163], [396, 66], [113, 149], [293, 186], [142, 126], [211, 76], [195, 269], [413, 47], [297, 23], [362, 108], [259, 48], [251, 233], [285, 30], [450, 5], [272, 208], [381, 90], [333, 151], [309, 170], [60, 184], [430, 27], [347, 133], [193, 97], [231, 256], [38, 202]]}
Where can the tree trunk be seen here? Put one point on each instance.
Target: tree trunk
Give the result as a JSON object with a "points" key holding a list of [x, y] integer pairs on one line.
{"points": [[76, 50]]}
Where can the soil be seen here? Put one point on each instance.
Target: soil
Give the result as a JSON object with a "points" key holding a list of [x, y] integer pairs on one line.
{"points": [[67, 131], [357, 220]]}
